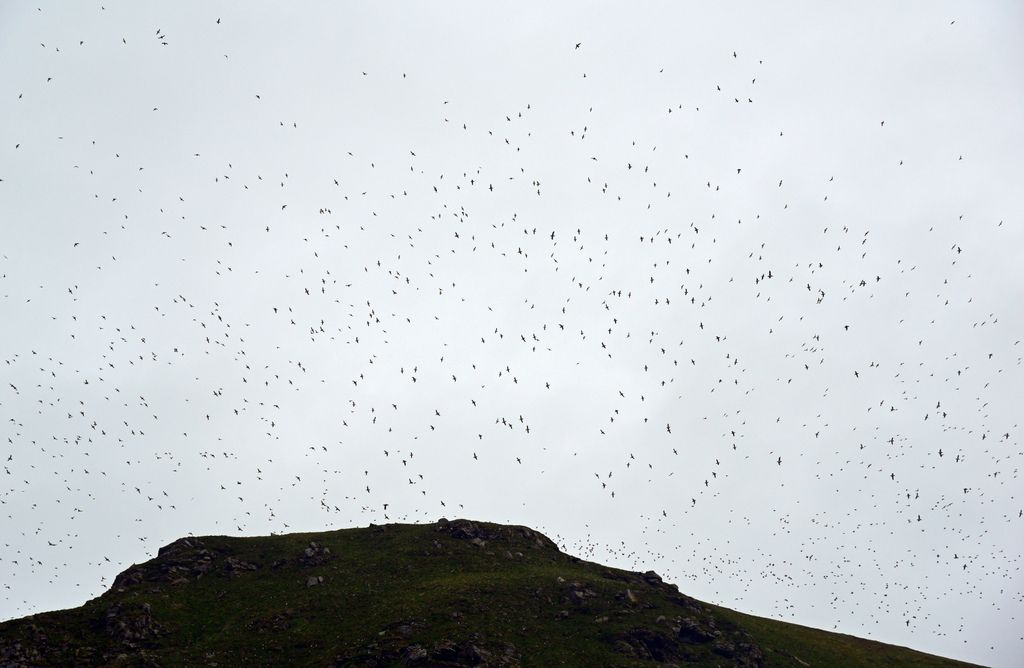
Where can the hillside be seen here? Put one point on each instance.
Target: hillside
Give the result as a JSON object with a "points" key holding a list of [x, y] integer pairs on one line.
{"points": [[454, 593]]}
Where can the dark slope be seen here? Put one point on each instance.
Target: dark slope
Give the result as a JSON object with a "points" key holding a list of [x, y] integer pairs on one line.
{"points": [[456, 593]]}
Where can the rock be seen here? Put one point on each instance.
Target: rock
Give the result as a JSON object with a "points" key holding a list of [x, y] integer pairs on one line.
{"points": [[649, 645], [750, 655], [443, 653], [414, 655], [470, 530], [235, 566], [691, 631], [16, 654], [132, 576], [129, 624], [724, 648], [465, 530], [314, 580], [536, 539], [579, 593], [180, 545], [623, 647], [652, 578], [315, 555], [186, 558], [686, 602]]}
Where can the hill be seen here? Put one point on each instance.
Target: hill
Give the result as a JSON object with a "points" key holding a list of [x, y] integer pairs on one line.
{"points": [[453, 593]]}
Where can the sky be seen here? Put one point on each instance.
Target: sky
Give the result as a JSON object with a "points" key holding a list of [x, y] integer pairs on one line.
{"points": [[728, 291]]}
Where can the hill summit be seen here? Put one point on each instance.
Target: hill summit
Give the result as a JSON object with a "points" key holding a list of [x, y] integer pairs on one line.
{"points": [[451, 593]]}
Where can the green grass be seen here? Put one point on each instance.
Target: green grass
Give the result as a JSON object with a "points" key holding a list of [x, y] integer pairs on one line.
{"points": [[414, 595]]}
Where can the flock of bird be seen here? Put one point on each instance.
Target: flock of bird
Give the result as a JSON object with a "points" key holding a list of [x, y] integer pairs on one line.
{"points": [[235, 304]]}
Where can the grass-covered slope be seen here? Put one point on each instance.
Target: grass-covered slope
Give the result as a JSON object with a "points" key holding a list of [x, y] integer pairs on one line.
{"points": [[456, 593]]}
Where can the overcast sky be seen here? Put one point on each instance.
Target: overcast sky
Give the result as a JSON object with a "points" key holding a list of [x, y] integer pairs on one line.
{"points": [[725, 291]]}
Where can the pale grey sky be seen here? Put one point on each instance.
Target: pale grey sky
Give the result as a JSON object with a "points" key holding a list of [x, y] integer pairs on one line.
{"points": [[255, 259]]}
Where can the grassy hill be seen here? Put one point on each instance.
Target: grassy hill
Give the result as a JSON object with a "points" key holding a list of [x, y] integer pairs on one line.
{"points": [[456, 593]]}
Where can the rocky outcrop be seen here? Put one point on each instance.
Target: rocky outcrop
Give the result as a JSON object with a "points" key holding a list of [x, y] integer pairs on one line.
{"points": [[129, 625], [315, 554], [182, 561], [444, 654], [480, 534], [678, 642]]}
